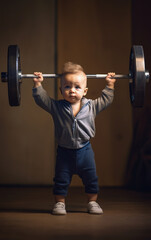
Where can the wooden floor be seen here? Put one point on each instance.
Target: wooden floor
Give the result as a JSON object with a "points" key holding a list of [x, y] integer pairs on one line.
{"points": [[25, 213]]}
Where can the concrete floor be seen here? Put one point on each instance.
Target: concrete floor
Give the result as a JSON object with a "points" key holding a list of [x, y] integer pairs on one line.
{"points": [[25, 213]]}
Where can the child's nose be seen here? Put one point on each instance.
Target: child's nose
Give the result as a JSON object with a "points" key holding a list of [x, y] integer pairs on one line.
{"points": [[72, 89]]}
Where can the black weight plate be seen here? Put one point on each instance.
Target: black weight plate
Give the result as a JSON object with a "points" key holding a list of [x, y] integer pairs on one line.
{"points": [[137, 72], [13, 70]]}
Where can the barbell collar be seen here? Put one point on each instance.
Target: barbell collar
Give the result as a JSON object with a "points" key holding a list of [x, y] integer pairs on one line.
{"points": [[147, 75]]}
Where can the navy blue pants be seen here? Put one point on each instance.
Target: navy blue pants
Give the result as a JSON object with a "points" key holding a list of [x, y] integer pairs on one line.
{"points": [[75, 161]]}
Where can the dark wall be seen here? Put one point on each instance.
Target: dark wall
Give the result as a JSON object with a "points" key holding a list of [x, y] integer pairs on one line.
{"points": [[26, 132]]}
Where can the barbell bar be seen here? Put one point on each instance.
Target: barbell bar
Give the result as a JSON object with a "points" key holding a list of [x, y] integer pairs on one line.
{"points": [[101, 76], [98, 75], [138, 76]]}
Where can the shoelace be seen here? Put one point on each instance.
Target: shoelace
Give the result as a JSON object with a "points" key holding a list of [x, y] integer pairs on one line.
{"points": [[94, 205], [59, 204]]}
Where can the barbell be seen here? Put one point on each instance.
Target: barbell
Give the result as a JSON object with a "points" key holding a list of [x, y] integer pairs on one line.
{"points": [[138, 76]]}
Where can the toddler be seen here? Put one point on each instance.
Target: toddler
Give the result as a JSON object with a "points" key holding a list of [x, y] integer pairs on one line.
{"points": [[74, 121]]}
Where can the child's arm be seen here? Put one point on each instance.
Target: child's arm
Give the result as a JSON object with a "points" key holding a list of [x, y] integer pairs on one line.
{"points": [[40, 95], [39, 80], [107, 95]]}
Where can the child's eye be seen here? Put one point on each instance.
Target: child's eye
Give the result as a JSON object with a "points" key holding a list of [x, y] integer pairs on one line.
{"points": [[77, 87], [67, 87]]}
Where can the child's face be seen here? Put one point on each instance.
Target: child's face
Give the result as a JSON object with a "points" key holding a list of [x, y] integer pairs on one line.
{"points": [[73, 87]]}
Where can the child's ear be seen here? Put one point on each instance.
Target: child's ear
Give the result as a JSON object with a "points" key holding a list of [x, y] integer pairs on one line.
{"points": [[85, 91]]}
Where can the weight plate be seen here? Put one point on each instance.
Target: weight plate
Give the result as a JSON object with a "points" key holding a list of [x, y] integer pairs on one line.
{"points": [[137, 71], [13, 70]]}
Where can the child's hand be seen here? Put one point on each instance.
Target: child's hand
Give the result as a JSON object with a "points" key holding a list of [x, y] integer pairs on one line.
{"points": [[38, 79], [110, 80]]}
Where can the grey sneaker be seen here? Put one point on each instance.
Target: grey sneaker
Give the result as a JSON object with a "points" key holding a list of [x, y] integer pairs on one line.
{"points": [[94, 208], [59, 209]]}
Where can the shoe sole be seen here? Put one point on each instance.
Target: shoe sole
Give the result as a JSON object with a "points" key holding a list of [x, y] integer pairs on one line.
{"points": [[59, 213]]}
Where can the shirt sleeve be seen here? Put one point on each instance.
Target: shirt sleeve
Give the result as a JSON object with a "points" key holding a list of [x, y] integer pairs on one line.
{"points": [[103, 101], [42, 99]]}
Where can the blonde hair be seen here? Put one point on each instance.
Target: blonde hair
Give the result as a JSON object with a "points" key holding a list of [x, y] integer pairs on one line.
{"points": [[70, 67]]}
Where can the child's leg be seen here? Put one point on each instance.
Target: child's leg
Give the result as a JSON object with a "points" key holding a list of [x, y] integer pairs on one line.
{"points": [[63, 174], [87, 172], [92, 197], [90, 180]]}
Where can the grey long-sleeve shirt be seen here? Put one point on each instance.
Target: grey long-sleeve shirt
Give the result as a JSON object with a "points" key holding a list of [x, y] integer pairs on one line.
{"points": [[73, 131]]}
